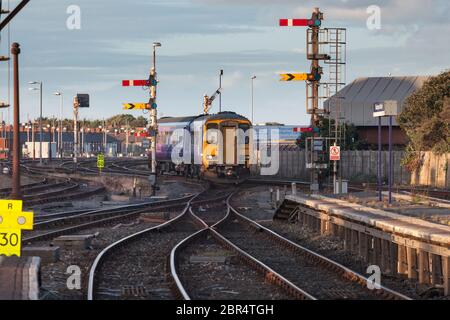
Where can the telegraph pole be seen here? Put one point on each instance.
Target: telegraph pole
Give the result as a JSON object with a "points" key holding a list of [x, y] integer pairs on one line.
{"points": [[16, 193]]}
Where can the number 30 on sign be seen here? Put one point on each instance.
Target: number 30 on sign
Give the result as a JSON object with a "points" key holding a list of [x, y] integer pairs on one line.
{"points": [[10, 242]]}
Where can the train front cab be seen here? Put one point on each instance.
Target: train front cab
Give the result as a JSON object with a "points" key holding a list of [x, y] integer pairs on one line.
{"points": [[228, 158]]}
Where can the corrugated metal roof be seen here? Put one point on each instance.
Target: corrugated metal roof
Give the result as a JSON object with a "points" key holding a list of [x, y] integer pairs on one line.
{"points": [[358, 97]]}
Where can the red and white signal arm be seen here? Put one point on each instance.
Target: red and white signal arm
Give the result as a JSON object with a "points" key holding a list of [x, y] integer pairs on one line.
{"points": [[335, 153]]}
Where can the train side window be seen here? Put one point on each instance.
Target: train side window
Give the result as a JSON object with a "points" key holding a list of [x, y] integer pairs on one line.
{"points": [[212, 133]]}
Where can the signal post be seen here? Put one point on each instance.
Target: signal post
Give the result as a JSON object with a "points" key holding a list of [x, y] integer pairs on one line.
{"points": [[152, 106]]}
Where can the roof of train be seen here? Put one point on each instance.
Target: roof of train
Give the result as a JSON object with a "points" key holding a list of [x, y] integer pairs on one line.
{"points": [[220, 115]]}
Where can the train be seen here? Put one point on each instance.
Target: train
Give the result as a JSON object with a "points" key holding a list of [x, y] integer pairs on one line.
{"points": [[204, 145]]}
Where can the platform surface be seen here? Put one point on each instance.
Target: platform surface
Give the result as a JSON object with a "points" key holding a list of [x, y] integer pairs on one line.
{"points": [[384, 220]]}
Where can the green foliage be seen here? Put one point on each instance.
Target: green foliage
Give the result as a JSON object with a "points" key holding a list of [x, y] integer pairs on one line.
{"points": [[426, 119], [117, 121], [412, 159], [426, 115]]}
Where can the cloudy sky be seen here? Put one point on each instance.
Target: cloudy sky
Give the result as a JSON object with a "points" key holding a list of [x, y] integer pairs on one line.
{"points": [[200, 37]]}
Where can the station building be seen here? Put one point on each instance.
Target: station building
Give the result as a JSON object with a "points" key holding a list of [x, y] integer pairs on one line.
{"points": [[357, 100]]}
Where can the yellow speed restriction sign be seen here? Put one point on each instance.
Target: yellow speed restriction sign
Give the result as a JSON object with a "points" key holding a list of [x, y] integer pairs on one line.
{"points": [[12, 222]]}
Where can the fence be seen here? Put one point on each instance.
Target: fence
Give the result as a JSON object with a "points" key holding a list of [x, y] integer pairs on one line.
{"points": [[361, 166]]}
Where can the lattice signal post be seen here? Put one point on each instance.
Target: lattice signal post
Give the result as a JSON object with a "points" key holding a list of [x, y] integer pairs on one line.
{"points": [[312, 84], [316, 92]]}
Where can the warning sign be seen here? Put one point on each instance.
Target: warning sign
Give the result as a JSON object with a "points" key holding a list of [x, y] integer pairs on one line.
{"points": [[335, 153]]}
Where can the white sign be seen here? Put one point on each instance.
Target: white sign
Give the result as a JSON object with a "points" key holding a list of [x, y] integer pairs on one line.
{"points": [[335, 153], [386, 108]]}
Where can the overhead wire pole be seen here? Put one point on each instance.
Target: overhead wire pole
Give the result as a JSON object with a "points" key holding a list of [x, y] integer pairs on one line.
{"points": [[220, 89], [253, 78], [13, 13], [15, 51]]}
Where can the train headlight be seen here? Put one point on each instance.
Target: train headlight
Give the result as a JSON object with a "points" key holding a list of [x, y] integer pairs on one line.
{"points": [[209, 157]]}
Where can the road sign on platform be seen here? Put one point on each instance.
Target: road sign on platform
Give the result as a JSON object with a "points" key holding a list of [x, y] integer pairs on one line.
{"points": [[335, 153], [100, 161], [136, 106], [12, 222], [135, 83], [293, 76]]}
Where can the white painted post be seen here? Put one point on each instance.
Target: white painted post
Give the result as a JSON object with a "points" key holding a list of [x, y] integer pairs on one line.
{"points": [[294, 188]]}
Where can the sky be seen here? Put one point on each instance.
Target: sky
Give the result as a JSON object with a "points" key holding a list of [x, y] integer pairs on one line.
{"points": [[200, 37]]}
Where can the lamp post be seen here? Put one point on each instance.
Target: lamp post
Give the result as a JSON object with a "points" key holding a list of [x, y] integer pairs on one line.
{"points": [[60, 135], [40, 114], [253, 79], [49, 129]]}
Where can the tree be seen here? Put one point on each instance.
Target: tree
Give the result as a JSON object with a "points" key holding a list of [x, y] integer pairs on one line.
{"points": [[426, 119]]}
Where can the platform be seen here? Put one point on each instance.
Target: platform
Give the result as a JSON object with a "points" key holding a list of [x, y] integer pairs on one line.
{"points": [[383, 220], [399, 244]]}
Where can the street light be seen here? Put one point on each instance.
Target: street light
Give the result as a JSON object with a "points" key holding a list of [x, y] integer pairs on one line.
{"points": [[60, 136], [253, 78], [155, 44], [40, 114]]}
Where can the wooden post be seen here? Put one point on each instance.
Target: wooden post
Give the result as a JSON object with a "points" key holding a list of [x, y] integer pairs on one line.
{"points": [[412, 262], [301, 217], [402, 260], [423, 266], [436, 269], [347, 238], [355, 241], [323, 226], [341, 232], [446, 274], [377, 251], [363, 246], [370, 249], [385, 254], [333, 229], [393, 258]]}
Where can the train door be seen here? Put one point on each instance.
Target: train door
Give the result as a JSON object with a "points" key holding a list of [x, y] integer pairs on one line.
{"points": [[229, 134]]}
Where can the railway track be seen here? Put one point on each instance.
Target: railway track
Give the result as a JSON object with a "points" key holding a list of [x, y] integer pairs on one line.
{"points": [[248, 279], [302, 273], [317, 275], [148, 265], [61, 225], [286, 270]]}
